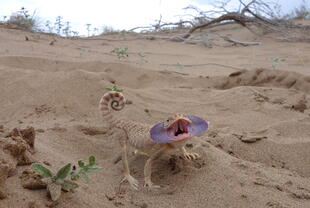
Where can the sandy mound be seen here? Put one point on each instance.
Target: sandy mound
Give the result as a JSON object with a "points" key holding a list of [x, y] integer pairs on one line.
{"points": [[264, 77], [255, 154]]}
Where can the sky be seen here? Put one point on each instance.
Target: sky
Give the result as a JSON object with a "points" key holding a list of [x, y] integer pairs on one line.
{"points": [[119, 14]]}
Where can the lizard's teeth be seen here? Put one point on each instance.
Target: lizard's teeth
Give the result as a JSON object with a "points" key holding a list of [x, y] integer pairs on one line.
{"points": [[180, 126]]}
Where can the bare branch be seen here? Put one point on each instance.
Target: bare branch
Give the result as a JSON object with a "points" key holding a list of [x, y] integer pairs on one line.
{"points": [[243, 43], [241, 19]]}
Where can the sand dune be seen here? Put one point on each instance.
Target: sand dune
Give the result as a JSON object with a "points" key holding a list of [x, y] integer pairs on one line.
{"points": [[255, 154]]}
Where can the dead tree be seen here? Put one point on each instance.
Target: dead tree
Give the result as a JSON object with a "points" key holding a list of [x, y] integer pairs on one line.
{"points": [[259, 14]]}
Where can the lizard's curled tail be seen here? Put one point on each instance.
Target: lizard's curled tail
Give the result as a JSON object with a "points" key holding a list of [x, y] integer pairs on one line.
{"points": [[111, 100]]}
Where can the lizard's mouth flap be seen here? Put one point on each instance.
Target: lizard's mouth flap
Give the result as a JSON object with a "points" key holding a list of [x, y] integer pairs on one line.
{"points": [[181, 129]]}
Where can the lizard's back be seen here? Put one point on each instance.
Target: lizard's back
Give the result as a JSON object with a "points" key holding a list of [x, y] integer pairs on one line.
{"points": [[138, 133]]}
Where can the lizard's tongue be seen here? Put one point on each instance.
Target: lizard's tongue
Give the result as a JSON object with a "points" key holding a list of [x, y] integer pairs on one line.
{"points": [[160, 134]]}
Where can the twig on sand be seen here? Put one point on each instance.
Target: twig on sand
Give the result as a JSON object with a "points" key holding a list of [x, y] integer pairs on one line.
{"points": [[243, 43], [205, 64], [258, 93]]}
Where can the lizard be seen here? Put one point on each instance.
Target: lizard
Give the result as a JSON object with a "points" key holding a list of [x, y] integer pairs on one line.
{"points": [[153, 141]]}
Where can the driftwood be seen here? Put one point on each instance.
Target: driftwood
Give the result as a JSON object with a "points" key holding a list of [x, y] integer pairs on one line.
{"points": [[243, 43], [241, 19], [204, 64], [263, 17], [256, 14], [158, 26]]}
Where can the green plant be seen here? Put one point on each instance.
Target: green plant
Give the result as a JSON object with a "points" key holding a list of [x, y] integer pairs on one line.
{"points": [[141, 54], [58, 182], [83, 169], [114, 89], [179, 65], [120, 52], [275, 61]]}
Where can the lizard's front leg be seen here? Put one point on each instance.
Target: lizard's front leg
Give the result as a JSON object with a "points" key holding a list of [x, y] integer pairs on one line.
{"points": [[132, 181], [188, 155], [148, 167]]}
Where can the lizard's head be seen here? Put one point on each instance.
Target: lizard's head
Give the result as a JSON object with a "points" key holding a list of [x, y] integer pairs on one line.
{"points": [[178, 127]]}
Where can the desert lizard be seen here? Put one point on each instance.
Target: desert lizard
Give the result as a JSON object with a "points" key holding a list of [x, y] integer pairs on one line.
{"points": [[153, 141]]}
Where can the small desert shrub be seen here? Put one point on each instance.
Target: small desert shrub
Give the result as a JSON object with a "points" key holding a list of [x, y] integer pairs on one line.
{"points": [[106, 30], [23, 20], [275, 61], [120, 52]]}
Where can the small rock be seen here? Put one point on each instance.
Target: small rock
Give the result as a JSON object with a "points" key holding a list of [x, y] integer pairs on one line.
{"points": [[278, 101], [141, 205], [33, 204], [28, 135], [4, 172], [117, 203], [110, 198], [31, 180], [301, 105], [237, 73], [51, 204], [244, 196], [144, 205], [40, 130], [47, 163], [20, 150], [58, 129], [249, 138], [91, 131], [128, 102], [253, 139]]}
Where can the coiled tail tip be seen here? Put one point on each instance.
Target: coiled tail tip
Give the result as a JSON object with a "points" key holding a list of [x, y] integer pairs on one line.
{"points": [[113, 100]]}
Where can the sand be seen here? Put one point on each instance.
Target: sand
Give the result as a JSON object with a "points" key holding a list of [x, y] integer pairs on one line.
{"points": [[255, 153]]}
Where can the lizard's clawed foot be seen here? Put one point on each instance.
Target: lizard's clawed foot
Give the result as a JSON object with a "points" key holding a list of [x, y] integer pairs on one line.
{"points": [[132, 181], [150, 185], [191, 156]]}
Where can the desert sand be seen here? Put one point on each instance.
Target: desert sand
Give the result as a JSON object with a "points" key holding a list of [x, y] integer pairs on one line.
{"points": [[255, 153]]}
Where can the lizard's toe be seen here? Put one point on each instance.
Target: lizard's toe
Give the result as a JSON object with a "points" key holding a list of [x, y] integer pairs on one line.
{"points": [[188, 157], [132, 181], [150, 185], [191, 156], [195, 156]]}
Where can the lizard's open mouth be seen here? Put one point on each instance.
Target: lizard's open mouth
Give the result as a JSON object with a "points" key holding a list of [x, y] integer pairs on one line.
{"points": [[179, 129], [182, 128]]}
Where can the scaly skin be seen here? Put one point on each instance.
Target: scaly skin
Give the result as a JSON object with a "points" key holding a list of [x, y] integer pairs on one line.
{"points": [[137, 135]]}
